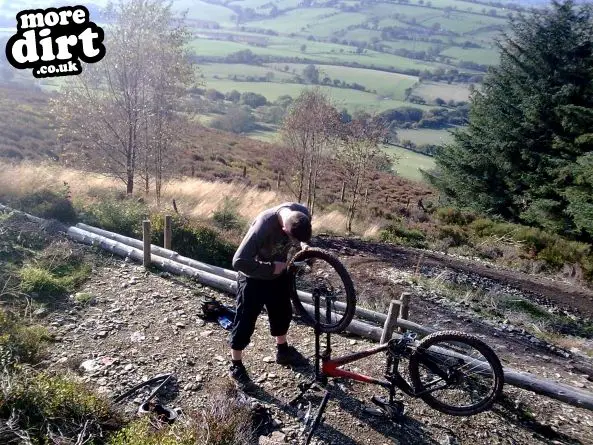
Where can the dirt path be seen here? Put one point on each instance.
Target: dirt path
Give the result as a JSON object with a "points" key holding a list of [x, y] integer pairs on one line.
{"points": [[566, 295], [142, 324]]}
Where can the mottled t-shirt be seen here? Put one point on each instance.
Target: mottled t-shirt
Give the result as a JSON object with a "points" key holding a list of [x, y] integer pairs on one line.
{"points": [[264, 243]]}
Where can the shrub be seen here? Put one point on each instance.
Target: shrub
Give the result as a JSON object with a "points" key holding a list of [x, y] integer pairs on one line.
{"points": [[451, 215], [454, 234], [195, 241], [21, 342], [41, 402], [227, 217], [395, 233], [47, 204], [118, 214]]}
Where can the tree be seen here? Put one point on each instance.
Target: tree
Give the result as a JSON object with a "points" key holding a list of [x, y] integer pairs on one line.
{"points": [[253, 100], [358, 155], [303, 48], [124, 106], [233, 96], [236, 120], [307, 131], [311, 74], [524, 151]]}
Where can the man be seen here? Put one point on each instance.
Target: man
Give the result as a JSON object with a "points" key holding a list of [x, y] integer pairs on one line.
{"points": [[263, 281]]}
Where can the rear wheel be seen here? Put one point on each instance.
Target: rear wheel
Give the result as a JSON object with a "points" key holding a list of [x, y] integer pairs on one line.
{"points": [[315, 271], [456, 373]]}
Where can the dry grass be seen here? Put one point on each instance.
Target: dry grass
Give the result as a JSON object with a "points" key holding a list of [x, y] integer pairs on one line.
{"points": [[194, 197]]}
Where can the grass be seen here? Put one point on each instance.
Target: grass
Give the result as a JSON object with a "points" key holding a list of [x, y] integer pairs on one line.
{"points": [[317, 51], [202, 10], [351, 99], [387, 84], [409, 162], [227, 70], [293, 21], [483, 56], [327, 26], [429, 91], [425, 136]]}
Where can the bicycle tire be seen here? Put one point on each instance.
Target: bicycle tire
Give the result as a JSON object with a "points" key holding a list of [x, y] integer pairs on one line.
{"points": [[347, 312], [439, 339]]}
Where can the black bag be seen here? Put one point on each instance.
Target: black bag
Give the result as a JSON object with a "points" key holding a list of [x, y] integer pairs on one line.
{"points": [[213, 310]]}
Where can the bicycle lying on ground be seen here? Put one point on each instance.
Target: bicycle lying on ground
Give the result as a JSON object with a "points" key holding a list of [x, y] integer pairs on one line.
{"points": [[453, 372]]}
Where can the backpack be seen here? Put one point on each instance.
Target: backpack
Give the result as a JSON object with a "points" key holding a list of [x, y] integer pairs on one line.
{"points": [[213, 310]]}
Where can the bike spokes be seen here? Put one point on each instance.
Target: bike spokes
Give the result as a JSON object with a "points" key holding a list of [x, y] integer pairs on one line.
{"points": [[320, 276], [457, 374]]}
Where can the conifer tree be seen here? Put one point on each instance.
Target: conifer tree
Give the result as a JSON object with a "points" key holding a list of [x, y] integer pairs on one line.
{"points": [[524, 154]]}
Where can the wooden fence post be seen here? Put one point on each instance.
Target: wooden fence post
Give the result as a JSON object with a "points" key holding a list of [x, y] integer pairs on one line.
{"points": [[146, 239], [389, 326], [278, 181], [168, 232], [405, 308]]}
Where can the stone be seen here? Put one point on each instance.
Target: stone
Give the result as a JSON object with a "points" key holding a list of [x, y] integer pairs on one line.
{"points": [[102, 334]]}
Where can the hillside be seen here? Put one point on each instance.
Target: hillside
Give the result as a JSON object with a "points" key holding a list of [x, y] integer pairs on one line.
{"points": [[125, 324], [371, 55]]}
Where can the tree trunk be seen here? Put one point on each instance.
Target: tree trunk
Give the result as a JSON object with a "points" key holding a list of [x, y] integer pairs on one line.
{"points": [[343, 190]]}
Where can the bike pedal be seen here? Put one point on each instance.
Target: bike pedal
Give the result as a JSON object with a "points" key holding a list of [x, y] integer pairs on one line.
{"points": [[395, 410]]}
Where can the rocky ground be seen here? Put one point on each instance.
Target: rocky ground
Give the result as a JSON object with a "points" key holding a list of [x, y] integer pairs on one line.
{"points": [[139, 324]]}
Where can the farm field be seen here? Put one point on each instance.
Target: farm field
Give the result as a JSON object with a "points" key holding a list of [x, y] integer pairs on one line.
{"points": [[392, 85], [241, 71], [483, 56], [315, 51], [430, 91], [409, 163], [425, 136], [352, 100]]}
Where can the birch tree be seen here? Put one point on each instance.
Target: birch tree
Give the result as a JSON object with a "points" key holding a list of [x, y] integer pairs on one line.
{"points": [[123, 107], [358, 156], [308, 130]]}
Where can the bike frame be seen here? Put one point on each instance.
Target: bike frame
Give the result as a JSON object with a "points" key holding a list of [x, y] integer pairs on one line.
{"points": [[331, 368]]}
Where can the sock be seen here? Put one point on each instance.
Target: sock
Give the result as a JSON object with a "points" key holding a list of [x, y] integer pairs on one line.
{"points": [[237, 362], [282, 347]]}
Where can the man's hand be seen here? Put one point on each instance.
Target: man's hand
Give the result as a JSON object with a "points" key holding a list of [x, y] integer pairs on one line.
{"points": [[279, 267], [304, 246]]}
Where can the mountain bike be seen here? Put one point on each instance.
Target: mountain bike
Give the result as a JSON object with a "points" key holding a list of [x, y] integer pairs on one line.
{"points": [[453, 372]]}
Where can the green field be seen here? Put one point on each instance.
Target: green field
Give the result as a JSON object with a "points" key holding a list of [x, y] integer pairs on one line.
{"points": [[409, 163], [293, 21], [319, 52], [386, 84], [430, 91], [327, 26], [411, 45], [201, 10], [484, 56], [425, 136], [353, 100], [212, 71]]}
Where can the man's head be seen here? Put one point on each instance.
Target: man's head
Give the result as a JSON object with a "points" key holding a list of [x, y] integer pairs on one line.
{"points": [[297, 225]]}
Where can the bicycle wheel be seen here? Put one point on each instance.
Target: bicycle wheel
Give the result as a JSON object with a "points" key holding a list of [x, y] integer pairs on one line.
{"points": [[456, 373], [317, 271]]}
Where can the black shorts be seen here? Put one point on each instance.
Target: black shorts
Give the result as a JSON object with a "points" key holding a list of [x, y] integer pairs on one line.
{"points": [[252, 295]]}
